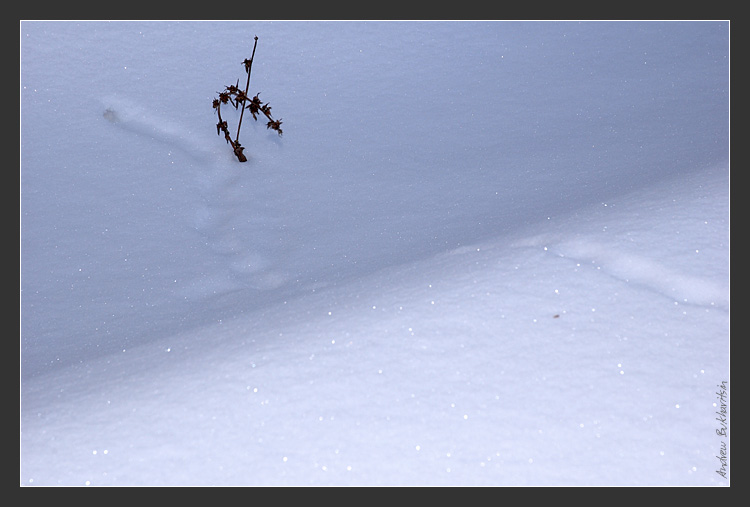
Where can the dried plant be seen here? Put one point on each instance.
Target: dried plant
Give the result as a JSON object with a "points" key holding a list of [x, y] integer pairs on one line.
{"points": [[240, 100]]}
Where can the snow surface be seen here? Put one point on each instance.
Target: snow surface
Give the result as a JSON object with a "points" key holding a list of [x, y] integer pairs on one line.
{"points": [[481, 254]]}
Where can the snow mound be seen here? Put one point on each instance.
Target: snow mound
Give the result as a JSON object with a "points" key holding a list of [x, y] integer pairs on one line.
{"points": [[577, 352]]}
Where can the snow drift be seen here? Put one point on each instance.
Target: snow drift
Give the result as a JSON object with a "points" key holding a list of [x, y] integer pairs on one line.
{"points": [[482, 253]]}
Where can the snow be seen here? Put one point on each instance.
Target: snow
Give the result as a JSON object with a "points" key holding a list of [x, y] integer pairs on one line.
{"points": [[483, 253]]}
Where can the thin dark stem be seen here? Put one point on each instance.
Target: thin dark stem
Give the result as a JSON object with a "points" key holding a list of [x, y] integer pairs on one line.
{"points": [[249, 65], [222, 127]]}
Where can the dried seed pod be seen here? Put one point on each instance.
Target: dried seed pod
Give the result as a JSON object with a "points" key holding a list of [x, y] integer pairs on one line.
{"points": [[275, 125]]}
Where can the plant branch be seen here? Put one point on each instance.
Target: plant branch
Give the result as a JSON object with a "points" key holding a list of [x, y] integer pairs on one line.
{"points": [[239, 99]]}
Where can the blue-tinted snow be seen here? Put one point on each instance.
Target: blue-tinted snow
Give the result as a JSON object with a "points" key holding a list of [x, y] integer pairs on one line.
{"points": [[371, 298]]}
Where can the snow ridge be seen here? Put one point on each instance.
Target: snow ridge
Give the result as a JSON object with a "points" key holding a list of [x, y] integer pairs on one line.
{"points": [[492, 364], [639, 269]]}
